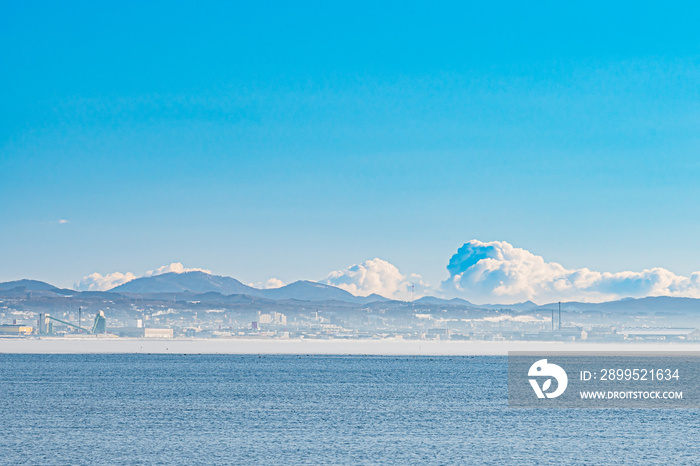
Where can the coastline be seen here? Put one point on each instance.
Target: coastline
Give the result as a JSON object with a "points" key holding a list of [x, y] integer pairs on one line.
{"points": [[50, 345]]}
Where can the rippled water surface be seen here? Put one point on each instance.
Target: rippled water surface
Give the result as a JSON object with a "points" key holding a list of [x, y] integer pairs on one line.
{"points": [[146, 409]]}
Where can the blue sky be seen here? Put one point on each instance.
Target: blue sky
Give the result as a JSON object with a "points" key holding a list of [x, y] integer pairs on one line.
{"points": [[291, 140]]}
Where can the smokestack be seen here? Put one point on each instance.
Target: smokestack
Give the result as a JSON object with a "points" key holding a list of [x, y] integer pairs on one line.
{"points": [[552, 320], [559, 315]]}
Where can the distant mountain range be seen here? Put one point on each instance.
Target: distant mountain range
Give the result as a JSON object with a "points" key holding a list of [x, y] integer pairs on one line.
{"points": [[642, 305], [526, 306], [206, 287], [29, 285], [22, 286], [200, 282], [195, 282]]}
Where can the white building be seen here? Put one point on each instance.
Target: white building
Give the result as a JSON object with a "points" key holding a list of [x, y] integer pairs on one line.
{"points": [[273, 318]]}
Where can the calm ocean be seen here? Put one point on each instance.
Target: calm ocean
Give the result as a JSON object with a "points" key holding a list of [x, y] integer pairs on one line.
{"points": [[223, 409]]}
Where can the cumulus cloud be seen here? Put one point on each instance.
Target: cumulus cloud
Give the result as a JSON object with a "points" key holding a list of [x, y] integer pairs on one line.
{"points": [[497, 271], [268, 284], [377, 276], [273, 283], [99, 282], [175, 267]]}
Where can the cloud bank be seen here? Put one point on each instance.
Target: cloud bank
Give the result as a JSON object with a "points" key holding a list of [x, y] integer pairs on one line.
{"points": [[377, 276], [273, 283], [481, 272], [497, 271], [99, 282], [269, 284], [175, 267]]}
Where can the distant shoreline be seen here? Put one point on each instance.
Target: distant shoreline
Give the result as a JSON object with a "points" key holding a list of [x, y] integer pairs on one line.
{"points": [[48, 345]]}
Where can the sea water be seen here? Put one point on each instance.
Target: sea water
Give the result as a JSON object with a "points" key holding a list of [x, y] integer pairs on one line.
{"points": [[234, 409]]}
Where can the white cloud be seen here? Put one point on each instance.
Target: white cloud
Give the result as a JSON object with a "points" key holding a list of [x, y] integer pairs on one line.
{"points": [[273, 283], [376, 276], [497, 271], [63, 221], [267, 285], [175, 267], [99, 282]]}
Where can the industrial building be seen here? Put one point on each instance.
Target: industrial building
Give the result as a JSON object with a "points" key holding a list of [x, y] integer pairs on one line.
{"points": [[15, 330], [46, 324]]}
